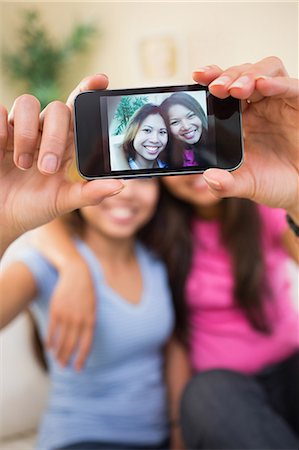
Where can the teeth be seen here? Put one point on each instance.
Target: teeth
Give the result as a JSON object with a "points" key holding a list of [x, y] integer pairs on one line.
{"points": [[189, 134], [121, 213]]}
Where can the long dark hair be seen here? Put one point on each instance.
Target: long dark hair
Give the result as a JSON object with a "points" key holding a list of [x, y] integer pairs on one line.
{"points": [[189, 102], [241, 233], [140, 115]]}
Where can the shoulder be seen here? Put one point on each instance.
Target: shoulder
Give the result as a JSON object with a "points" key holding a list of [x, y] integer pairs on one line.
{"points": [[34, 260], [43, 273]]}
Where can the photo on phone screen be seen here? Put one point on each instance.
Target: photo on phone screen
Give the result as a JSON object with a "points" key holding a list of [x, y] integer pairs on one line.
{"points": [[154, 131]]}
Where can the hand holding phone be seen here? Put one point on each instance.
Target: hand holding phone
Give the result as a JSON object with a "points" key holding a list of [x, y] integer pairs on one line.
{"points": [[156, 131]]}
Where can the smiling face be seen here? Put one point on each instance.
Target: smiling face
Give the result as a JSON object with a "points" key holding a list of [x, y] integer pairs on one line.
{"points": [[151, 138], [121, 216], [185, 125]]}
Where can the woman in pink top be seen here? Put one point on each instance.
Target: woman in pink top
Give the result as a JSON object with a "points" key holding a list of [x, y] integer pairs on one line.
{"points": [[232, 298], [188, 124]]}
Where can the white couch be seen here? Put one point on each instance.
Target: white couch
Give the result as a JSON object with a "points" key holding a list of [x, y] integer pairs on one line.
{"points": [[23, 387]]}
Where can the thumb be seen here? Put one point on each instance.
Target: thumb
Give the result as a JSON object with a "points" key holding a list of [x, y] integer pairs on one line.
{"points": [[229, 184], [85, 193]]}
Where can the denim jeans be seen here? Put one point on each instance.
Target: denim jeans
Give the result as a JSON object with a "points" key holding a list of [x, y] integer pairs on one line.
{"points": [[222, 409]]}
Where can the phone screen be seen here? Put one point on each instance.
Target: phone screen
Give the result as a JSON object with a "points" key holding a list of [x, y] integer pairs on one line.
{"points": [[156, 131]]}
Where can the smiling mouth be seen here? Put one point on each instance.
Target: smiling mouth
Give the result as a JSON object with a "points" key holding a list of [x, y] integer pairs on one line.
{"points": [[189, 134], [121, 213], [152, 149]]}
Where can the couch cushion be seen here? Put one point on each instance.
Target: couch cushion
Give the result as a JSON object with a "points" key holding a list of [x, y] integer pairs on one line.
{"points": [[24, 385]]}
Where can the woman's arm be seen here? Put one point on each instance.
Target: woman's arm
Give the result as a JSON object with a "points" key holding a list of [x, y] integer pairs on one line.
{"points": [[17, 288], [177, 374], [72, 309]]}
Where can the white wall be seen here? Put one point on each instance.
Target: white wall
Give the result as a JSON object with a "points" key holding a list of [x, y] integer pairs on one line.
{"points": [[224, 33]]}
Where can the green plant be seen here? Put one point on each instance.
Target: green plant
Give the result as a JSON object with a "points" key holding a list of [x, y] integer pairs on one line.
{"points": [[125, 110], [39, 61]]}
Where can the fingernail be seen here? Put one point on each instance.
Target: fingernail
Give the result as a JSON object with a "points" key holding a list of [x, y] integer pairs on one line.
{"points": [[202, 69], [49, 163], [25, 161], [102, 75], [240, 82], [221, 81], [213, 183]]}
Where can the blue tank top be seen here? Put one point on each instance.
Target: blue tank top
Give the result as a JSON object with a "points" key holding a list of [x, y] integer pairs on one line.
{"points": [[120, 394]]}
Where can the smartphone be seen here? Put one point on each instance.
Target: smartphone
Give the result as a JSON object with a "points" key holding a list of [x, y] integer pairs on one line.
{"points": [[169, 130]]}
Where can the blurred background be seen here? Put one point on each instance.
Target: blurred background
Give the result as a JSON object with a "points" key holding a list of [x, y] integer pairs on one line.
{"points": [[136, 43], [48, 47]]}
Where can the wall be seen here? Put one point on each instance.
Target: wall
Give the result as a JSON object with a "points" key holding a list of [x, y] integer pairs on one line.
{"points": [[205, 32]]}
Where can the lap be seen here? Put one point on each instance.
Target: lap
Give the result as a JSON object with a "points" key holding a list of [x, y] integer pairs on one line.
{"points": [[226, 409]]}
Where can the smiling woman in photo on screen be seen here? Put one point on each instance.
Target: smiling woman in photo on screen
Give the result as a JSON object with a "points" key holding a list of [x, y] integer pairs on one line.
{"points": [[189, 128], [146, 138]]}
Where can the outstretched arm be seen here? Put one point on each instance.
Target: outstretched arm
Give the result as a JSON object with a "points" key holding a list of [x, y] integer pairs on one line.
{"points": [[269, 174], [72, 310]]}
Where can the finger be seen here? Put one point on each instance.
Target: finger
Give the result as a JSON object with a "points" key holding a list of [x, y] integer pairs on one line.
{"points": [[213, 75], [3, 131], [280, 87], [84, 347], [229, 184], [55, 123], [25, 118], [53, 327], [98, 81], [245, 87], [69, 344], [221, 85], [205, 75], [77, 195], [60, 338], [240, 81]]}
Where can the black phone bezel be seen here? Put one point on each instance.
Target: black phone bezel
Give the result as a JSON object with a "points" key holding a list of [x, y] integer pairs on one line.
{"points": [[87, 121]]}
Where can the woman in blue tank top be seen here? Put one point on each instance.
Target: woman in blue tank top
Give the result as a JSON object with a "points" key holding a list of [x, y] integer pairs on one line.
{"points": [[119, 399]]}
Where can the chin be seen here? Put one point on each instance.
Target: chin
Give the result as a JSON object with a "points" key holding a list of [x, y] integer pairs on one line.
{"points": [[122, 232]]}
